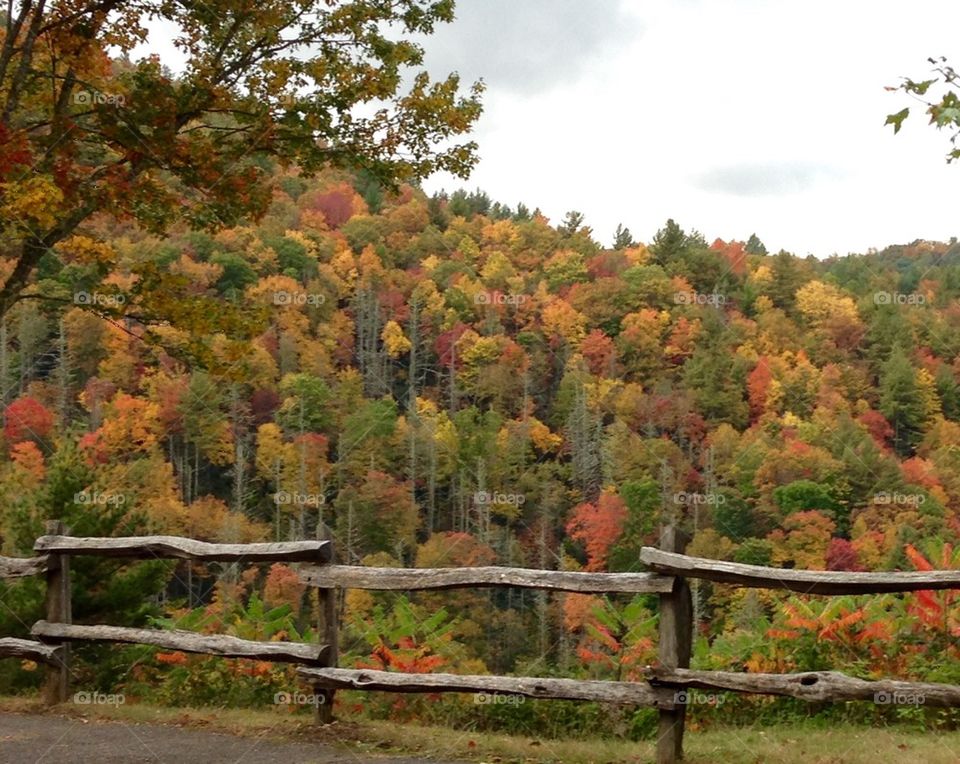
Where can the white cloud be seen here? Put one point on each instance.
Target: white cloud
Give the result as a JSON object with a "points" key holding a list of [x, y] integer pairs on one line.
{"points": [[528, 46], [764, 178], [733, 116]]}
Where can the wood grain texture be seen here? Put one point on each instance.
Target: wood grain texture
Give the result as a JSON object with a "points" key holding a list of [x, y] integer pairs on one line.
{"points": [[674, 648], [186, 641], [621, 693], [17, 567], [149, 547], [29, 649], [803, 581], [814, 686], [58, 603], [406, 579]]}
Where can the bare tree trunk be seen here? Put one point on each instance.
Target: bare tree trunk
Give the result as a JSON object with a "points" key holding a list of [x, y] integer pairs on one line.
{"points": [[4, 369], [63, 377], [453, 378], [542, 595], [370, 356], [432, 481]]}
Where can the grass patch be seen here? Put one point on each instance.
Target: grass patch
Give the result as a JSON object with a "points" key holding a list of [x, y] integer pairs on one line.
{"points": [[786, 744]]}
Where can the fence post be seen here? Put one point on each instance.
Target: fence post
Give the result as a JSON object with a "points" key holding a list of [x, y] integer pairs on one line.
{"points": [[56, 687], [676, 641], [328, 616]]}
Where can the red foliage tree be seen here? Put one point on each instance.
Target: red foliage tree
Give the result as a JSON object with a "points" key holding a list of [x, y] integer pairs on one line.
{"points": [[841, 555], [758, 382], [607, 264], [336, 206], [598, 526], [917, 471], [263, 402], [878, 427], [27, 419], [282, 587], [600, 353], [733, 253], [445, 342]]}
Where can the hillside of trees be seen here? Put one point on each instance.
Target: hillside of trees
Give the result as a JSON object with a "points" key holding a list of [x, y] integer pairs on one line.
{"points": [[448, 381]]}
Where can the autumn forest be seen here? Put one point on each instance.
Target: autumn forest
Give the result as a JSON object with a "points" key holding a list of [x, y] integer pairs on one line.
{"points": [[231, 316], [450, 381]]}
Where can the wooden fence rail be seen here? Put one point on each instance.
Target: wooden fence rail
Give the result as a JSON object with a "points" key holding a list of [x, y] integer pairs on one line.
{"points": [[813, 686], [413, 579], [802, 581], [621, 693], [19, 567], [28, 649], [54, 635], [185, 641], [147, 547], [664, 684]]}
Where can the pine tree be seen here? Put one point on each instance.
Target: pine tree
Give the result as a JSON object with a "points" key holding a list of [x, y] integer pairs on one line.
{"points": [[900, 401], [754, 246], [949, 392], [622, 238], [572, 222], [787, 279], [669, 243]]}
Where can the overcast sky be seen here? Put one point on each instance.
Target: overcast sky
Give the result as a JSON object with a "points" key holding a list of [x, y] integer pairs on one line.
{"points": [[730, 116]]}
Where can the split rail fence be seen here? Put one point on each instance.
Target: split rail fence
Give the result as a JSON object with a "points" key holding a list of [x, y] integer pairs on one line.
{"points": [[663, 688]]}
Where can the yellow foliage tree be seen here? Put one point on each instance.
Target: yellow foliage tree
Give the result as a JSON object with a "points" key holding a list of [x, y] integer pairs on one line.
{"points": [[394, 340]]}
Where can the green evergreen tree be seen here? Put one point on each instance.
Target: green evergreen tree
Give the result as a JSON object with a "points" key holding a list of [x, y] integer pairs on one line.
{"points": [[787, 278], [669, 242], [754, 246], [572, 222], [900, 401], [949, 392], [622, 238]]}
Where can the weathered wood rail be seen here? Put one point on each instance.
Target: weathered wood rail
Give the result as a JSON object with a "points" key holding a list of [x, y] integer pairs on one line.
{"points": [[410, 579], [813, 686], [185, 641], [663, 686], [54, 635], [184, 548], [28, 649], [621, 693], [19, 567], [802, 581]]}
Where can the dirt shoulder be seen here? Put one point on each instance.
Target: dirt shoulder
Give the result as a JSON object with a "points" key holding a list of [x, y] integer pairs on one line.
{"points": [[53, 738]]}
